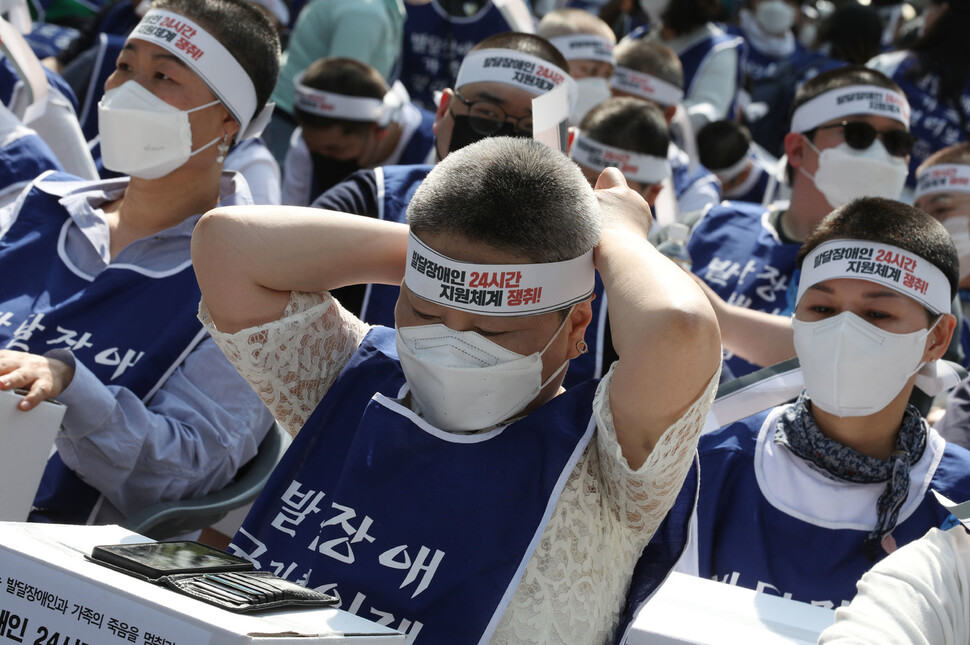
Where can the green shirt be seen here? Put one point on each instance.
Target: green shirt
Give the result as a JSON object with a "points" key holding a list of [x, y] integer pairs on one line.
{"points": [[366, 30]]}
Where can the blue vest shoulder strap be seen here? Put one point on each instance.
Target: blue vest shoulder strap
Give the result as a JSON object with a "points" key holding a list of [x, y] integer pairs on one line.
{"points": [[108, 48], [422, 140]]}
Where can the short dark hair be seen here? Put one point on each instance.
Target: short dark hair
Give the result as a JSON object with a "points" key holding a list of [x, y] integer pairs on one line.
{"points": [[344, 76], [853, 32], [527, 44], [244, 30], [684, 15], [513, 194], [887, 221], [650, 57], [629, 124], [721, 144]]}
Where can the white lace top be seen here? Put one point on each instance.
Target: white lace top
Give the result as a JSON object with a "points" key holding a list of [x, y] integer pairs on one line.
{"points": [[575, 584]]}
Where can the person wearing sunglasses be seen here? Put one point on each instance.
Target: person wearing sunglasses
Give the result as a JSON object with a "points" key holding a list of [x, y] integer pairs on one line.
{"points": [[848, 138], [801, 500], [488, 100]]}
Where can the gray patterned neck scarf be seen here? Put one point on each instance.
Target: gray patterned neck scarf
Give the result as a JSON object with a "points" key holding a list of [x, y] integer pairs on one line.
{"points": [[796, 430]]}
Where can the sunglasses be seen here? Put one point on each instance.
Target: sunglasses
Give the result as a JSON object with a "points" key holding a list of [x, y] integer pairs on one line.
{"points": [[860, 135]]}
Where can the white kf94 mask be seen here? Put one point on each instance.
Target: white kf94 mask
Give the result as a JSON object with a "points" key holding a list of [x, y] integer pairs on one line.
{"points": [[461, 381], [845, 173], [852, 368], [142, 135]]}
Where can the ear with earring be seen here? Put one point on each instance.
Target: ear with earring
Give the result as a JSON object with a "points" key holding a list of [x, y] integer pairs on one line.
{"points": [[223, 148]]}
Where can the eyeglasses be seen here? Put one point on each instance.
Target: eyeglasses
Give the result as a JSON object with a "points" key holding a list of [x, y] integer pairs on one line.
{"points": [[860, 135], [487, 118]]}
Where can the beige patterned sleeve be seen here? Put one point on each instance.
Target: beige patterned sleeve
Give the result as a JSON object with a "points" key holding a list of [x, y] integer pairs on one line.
{"points": [[642, 497], [293, 361]]}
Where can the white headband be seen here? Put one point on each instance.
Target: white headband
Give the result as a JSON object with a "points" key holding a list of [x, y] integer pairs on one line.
{"points": [[584, 47], [497, 289], [351, 108], [951, 178], [848, 101], [646, 86], [884, 264], [211, 61], [732, 171], [646, 169], [510, 67]]}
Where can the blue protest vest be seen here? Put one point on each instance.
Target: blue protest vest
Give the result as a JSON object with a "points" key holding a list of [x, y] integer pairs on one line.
{"points": [[47, 39], [435, 44], [736, 251], [396, 186], [759, 65], [759, 184], [695, 56], [24, 159], [771, 80], [429, 527], [662, 552], [687, 179], [9, 81], [812, 551], [421, 143], [935, 123], [129, 326]]}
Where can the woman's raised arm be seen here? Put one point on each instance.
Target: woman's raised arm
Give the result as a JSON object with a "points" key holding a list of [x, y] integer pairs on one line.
{"points": [[249, 258]]}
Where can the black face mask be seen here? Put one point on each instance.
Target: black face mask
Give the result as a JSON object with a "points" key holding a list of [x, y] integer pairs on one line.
{"points": [[463, 134], [328, 172]]}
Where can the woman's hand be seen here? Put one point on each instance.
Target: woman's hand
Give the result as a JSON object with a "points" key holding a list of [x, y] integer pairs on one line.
{"points": [[44, 378]]}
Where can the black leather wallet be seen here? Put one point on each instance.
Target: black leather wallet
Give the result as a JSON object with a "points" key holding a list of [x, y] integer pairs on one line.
{"points": [[207, 574], [246, 591]]}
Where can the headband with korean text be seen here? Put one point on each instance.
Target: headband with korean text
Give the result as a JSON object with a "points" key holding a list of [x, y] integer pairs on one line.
{"points": [[884, 264], [944, 178], [211, 61], [497, 289], [646, 86], [584, 47], [509, 67], [848, 101], [350, 108], [646, 169]]}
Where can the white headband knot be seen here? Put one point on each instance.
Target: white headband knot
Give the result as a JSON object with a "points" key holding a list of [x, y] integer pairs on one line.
{"points": [[644, 168], [885, 264], [848, 101], [497, 289], [211, 61]]}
